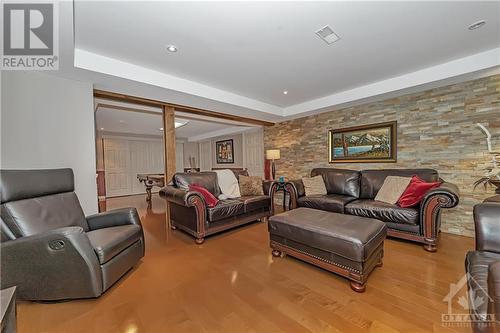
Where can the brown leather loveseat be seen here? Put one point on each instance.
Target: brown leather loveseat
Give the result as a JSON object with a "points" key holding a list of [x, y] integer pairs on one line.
{"points": [[353, 192], [189, 212]]}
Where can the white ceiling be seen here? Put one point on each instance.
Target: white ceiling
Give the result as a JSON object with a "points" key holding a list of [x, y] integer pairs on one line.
{"points": [[237, 57], [136, 123], [258, 49]]}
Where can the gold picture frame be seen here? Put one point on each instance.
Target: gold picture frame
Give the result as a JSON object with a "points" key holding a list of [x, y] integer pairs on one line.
{"points": [[376, 143]]}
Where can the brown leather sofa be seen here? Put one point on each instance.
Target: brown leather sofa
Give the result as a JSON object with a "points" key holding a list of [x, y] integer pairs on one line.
{"points": [[483, 268], [353, 192], [188, 211], [50, 250]]}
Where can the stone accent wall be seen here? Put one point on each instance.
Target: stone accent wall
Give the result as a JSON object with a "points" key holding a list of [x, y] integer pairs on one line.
{"points": [[436, 129]]}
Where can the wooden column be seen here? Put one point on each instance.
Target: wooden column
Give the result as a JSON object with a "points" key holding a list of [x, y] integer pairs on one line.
{"points": [[169, 142]]}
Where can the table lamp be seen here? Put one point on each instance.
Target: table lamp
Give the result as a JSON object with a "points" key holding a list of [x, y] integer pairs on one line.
{"points": [[273, 154]]}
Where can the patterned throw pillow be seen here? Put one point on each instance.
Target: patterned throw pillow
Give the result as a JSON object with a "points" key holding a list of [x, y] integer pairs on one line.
{"points": [[392, 189], [314, 185], [250, 185]]}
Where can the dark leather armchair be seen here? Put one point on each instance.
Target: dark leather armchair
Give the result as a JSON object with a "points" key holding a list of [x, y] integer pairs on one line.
{"points": [[353, 192], [50, 250], [483, 268], [188, 211]]}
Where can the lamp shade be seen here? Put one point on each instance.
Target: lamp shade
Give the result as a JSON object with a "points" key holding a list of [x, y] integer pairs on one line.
{"points": [[273, 154]]}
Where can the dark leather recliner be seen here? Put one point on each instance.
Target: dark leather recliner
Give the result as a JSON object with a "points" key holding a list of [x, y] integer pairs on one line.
{"points": [[353, 192], [50, 250], [483, 267], [188, 211]]}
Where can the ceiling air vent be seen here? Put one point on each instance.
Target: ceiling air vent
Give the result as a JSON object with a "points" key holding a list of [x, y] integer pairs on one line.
{"points": [[326, 33]]}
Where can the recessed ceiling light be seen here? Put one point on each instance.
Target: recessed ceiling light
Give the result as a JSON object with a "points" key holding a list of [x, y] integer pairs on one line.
{"points": [[477, 25], [285, 92], [171, 48], [161, 128], [102, 128], [122, 121]]}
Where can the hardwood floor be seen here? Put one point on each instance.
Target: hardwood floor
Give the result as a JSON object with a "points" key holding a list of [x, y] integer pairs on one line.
{"points": [[231, 283]]}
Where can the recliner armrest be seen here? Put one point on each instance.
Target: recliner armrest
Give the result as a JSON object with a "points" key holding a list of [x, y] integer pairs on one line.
{"points": [[180, 197], [487, 226], [113, 218], [57, 264], [494, 292]]}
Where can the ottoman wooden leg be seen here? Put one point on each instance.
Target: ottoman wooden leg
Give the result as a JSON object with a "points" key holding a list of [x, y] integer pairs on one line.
{"points": [[276, 253], [199, 240], [358, 287], [173, 227], [380, 263]]}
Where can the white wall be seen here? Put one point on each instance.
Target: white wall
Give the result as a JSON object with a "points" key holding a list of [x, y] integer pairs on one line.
{"points": [[48, 122]]}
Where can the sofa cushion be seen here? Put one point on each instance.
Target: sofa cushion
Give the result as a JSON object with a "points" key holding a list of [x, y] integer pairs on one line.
{"points": [[314, 185], [372, 180], [416, 192], [383, 211], [250, 185], [392, 189], [476, 264], [339, 181], [328, 202], [224, 209], [108, 242], [206, 179], [255, 202]]}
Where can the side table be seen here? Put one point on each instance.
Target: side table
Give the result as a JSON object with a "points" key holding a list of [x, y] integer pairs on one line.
{"points": [[288, 190]]}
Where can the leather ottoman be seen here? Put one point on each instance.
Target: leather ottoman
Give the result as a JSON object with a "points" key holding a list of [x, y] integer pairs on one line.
{"points": [[348, 245]]}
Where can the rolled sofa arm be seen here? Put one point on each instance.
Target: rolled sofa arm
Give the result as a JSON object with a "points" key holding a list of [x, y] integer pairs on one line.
{"points": [[444, 196], [58, 264], [113, 218], [487, 226], [178, 216], [180, 197]]}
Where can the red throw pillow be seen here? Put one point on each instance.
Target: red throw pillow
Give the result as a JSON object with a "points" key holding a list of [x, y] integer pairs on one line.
{"points": [[415, 192], [210, 199]]}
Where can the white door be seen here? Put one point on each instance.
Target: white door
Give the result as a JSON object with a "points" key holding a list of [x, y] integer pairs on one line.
{"points": [[253, 151], [179, 157], [205, 156], [124, 159], [117, 167], [145, 157]]}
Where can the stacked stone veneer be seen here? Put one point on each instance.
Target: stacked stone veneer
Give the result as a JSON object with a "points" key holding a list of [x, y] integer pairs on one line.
{"points": [[436, 129]]}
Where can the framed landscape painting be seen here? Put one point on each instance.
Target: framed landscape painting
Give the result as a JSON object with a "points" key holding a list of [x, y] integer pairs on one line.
{"points": [[225, 151], [369, 143]]}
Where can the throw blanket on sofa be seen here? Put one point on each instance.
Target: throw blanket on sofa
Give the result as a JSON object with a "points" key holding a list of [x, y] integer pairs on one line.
{"points": [[228, 183]]}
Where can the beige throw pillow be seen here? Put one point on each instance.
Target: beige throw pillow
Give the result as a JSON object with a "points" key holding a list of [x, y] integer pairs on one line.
{"points": [[250, 185], [314, 185], [392, 189]]}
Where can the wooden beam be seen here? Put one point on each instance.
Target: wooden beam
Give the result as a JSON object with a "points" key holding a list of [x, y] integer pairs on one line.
{"points": [[180, 108], [169, 142]]}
